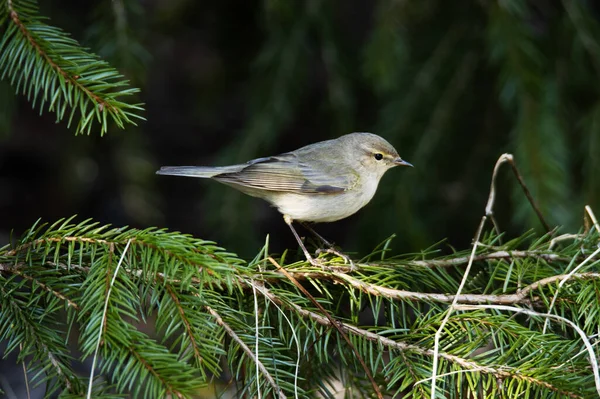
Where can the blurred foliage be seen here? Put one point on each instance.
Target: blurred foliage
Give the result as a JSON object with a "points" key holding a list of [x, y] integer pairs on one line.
{"points": [[451, 84]]}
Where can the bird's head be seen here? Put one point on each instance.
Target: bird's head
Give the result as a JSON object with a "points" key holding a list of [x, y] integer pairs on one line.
{"points": [[371, 153]]}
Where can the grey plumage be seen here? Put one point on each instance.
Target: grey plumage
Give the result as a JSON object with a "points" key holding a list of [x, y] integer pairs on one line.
{"points": [[321, 182]]}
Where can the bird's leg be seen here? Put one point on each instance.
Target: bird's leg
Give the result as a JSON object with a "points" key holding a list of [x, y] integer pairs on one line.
{"points": [[331, 249], [313, 261], [319, 236]]}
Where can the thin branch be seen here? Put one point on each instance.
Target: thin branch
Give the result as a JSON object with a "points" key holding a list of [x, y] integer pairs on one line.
{"points": [[42, 285], [489, 212], [564, 280], [519, 297], [590, 213], [246, 350], [438, 333], [186, 322], [334, 323], [104, 316], [528, 194], [256, 341], [549, 257], [372, 289], [25, 378], [564, 237]]}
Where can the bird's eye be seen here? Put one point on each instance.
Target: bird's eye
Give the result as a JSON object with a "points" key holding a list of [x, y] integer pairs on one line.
{"points": [[378, 156]]}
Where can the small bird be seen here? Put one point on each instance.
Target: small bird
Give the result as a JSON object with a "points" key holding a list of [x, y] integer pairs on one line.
{"points": [[321, 182]]}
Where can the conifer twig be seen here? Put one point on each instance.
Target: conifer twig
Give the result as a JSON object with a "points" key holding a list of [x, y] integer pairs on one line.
{"points": [[246, 350], [469, 364], [564, 280], [548, 316], [334, 323]]}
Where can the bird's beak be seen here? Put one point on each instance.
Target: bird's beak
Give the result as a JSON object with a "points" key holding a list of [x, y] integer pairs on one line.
{"points": [[400, 162]]}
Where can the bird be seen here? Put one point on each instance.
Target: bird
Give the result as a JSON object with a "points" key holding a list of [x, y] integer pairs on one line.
{"points": [[321, 182]]}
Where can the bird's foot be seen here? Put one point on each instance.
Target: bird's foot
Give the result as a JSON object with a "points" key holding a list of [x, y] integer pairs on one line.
{"points": [[317, 263], [346, 258]]}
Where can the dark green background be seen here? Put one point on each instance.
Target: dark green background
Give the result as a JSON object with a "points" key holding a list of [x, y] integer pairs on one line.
{"points": [[452, 84]]}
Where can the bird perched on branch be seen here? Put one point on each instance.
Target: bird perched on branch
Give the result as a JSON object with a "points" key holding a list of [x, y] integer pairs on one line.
{"points": [[321, 182]]}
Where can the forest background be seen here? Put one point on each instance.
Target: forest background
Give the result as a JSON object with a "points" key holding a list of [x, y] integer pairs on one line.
{"points": [[452, 85]]}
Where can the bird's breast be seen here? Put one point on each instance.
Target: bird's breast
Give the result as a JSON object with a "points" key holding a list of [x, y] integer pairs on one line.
{"points": [[324, 207]]}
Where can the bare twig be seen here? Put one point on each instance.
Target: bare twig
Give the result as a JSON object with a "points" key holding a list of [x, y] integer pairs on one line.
{"points": [[489, 212], [104, 316], [563, 237], [528, 195], [519, 297], [590, 213], [438, 333], [25, 378], [547, 256], [246, 350]]}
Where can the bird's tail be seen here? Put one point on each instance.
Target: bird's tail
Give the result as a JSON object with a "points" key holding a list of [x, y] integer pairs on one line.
{"points": [[205, 172]]}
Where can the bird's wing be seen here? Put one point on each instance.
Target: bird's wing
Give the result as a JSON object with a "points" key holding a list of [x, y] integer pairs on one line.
{"points": [[286, 172]]}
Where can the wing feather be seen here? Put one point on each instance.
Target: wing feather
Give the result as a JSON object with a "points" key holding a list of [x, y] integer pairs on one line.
{"points": [[287, 173]]}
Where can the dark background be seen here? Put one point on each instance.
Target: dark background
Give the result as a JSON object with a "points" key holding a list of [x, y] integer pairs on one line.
{"points": [[451, 84]]}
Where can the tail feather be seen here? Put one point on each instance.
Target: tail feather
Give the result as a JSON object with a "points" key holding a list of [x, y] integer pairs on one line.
{"points": [[205, 172]]}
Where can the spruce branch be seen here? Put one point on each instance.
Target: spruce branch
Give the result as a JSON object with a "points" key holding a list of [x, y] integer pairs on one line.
{"points": [[17, 270], [333, 323], [548, 316], [564, 280], [503, 372], [57, 74], [489, 213], [177, 277], [247, 351]]}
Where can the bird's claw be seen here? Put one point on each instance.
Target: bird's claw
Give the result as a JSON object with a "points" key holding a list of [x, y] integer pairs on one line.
{"points": [[346, 258]]}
